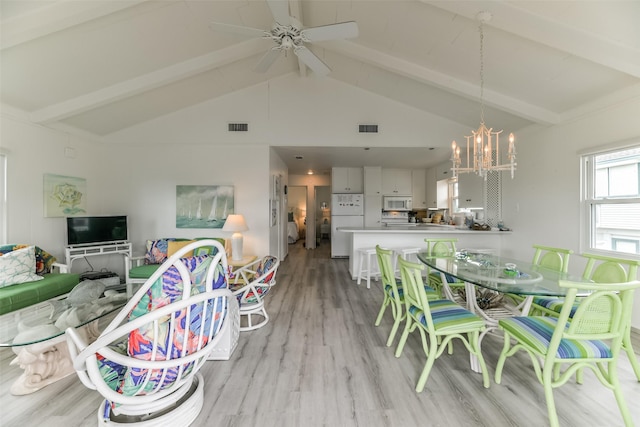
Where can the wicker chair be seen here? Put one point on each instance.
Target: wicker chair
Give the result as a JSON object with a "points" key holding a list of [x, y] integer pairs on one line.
{"points": [[146, 362]]}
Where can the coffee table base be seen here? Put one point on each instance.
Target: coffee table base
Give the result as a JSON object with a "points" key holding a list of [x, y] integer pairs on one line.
{"points": [[46, 362]]}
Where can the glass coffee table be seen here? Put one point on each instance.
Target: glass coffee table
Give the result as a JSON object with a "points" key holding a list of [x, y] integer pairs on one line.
{"points": [[36, 335]]}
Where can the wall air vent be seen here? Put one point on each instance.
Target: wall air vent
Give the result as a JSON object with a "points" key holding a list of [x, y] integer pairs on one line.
{"points": [[238, 127], [368, 128]]}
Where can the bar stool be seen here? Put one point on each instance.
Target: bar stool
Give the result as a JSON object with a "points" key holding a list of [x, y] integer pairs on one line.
{"points": [[365, 254], [404, 253]]}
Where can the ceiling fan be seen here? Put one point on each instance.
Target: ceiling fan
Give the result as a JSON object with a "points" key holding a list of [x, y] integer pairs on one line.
{"points": [[288, 34]]}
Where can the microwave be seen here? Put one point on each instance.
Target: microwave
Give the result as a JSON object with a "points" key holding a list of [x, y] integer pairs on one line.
{"points": [[397, 203]]}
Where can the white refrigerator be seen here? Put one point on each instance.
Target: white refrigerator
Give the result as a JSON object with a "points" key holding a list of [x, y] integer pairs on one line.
{"points": [[347, 210]]}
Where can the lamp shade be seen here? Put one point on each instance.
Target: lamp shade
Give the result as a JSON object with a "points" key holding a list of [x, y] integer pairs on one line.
{"points": [[235, 223]]}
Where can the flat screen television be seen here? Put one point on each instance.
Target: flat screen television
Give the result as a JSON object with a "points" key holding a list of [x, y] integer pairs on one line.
{"points": [[86, 230]]}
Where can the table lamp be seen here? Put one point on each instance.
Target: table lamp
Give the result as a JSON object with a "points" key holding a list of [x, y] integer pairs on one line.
{"points": [[236, 224]]}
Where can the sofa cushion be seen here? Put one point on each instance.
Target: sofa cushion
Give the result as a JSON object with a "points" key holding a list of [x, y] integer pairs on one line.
{"points": [[44, 260], [143, 271], [174, 246], [26, 294], [156, 251], [18, 266]]}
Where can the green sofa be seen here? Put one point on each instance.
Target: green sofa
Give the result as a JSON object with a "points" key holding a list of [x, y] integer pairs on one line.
{"points": [[18, 289], [15, 297]]}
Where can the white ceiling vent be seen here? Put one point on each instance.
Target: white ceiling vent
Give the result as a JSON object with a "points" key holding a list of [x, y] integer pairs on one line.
{"points": [[238, 127], [368, 128]]}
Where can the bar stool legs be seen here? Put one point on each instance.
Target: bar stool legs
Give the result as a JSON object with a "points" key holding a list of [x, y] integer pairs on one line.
{"points": [[365, 272]]}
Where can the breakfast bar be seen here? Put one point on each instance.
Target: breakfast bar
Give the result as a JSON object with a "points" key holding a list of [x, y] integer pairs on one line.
{"points": [[413, 235]]}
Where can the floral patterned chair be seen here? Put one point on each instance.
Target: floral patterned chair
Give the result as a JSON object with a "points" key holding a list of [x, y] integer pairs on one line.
{"points": [[146, 362], [252, 283]]}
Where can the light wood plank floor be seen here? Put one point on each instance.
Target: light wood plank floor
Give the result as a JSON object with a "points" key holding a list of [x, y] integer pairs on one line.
{"points": [[321, 362]]}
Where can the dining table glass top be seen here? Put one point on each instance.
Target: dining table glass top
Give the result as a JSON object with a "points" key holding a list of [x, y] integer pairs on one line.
{"points": [[501, 274]]}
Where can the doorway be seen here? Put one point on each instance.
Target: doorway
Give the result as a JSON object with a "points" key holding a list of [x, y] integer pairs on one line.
{"points": [[297, 214], [323, 215]]}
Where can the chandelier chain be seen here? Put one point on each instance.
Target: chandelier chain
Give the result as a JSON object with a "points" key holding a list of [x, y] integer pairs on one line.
{"points": [[481, 72], [483, 152]]}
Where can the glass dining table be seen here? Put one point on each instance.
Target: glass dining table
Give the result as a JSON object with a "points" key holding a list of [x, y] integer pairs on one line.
{"points": [[512, 284]]}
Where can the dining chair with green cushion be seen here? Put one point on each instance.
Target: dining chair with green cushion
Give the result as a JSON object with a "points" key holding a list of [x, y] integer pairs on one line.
{"points": [[442, 282], [393, 292], [561, 346], [439, 322], [599, 269]]}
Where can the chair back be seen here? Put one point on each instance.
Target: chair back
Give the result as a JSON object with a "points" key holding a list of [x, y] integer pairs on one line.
{"points": [[413, 288], [165, 333], [602, 315], [606, 269], [552, 258], [385, 262], [263, 280], [441, 247]]}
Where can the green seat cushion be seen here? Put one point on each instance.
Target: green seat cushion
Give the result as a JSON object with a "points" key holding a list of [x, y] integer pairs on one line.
{"points": [[143, 271], [536, 332], [29, 293], [448, 315]]}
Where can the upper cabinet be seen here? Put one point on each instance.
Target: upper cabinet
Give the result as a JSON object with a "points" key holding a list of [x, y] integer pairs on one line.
{"points": [[419, 188], [432, 193], [347, 180], [373, 180], [396, 182], [470, 188]]}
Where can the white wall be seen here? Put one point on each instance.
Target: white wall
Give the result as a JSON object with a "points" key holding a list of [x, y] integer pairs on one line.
{"points": [[296, 111], [32, 152], [542, 202], [277, 234], [132, 180]]}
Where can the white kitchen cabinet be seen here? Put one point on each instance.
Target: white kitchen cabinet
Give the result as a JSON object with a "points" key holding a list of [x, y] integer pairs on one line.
{"points": [[346, 180], [396, 182], [443, 171], [419, 188], [432, 187], [372, 180], [442, 192], [470, 188], [372, 211]]}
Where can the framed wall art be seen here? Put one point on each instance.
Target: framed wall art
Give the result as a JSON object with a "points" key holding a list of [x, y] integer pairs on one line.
{"points": [[203, 206], [64, 195], [273, 210], [276, 187]]}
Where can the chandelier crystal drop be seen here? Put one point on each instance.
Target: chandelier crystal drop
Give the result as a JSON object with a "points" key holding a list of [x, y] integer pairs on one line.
{"points": [[483, 146]]}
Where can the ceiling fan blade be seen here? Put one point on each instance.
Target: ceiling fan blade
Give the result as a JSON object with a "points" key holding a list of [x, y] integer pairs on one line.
{"points": [[312, 61], [237, 29], [280, 11], [343, 30], [267, 60]]}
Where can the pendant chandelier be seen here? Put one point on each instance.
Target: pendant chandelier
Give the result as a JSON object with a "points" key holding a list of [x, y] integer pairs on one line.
{"points": [[483, 146]]}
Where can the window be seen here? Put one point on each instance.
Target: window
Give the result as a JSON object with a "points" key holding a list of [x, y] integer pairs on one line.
{"points": [[611, 201]]}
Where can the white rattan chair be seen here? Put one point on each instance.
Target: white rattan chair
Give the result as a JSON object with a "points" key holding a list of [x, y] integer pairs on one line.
{"points": [[255, 281], [146, 362]]}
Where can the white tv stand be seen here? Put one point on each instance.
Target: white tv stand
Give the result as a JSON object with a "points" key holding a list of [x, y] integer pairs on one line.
{"points": [[76, 252]]}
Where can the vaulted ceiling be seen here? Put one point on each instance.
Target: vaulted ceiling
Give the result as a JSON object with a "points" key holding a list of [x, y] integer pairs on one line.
{"points": [[101, 66]]}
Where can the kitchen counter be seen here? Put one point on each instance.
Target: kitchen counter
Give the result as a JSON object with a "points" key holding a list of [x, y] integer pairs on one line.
{"points": [[410, 227], [413, 235]]}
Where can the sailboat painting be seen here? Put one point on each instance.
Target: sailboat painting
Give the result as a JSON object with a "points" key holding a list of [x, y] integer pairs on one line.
{"points": [[203, 206]]}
